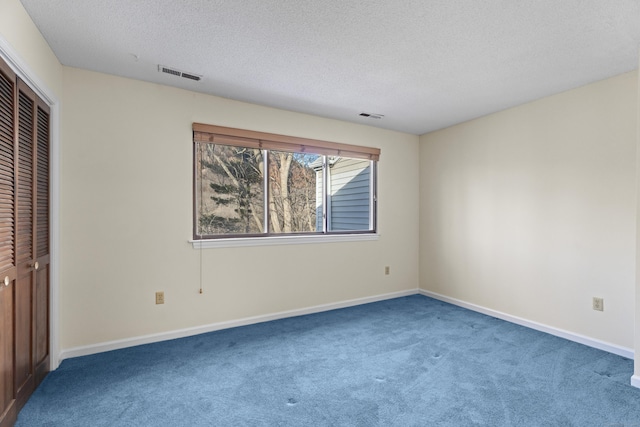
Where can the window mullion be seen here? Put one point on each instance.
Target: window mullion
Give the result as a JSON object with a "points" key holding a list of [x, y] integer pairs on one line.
{"points": [[372, 195], [265, 183], [325, 194]]}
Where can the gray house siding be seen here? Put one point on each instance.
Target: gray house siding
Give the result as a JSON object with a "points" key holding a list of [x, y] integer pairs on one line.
{"points": [[350, 195]]}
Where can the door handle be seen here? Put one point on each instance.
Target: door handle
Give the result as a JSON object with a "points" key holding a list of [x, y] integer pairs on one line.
{"points": [[6, 281]]}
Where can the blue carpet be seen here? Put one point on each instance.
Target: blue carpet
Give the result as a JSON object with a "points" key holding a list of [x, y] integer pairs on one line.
{"points": [[410, 361]]}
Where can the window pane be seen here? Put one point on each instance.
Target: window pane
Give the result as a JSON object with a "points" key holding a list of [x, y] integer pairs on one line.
{"points": [[229, 190], [349, 206], [293, 193]]}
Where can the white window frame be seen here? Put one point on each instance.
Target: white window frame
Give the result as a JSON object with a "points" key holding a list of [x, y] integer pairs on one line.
{"points": [[222, 136]]}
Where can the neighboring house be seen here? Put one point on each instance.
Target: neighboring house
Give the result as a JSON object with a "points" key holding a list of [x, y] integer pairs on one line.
{"points": [[349, 183]]}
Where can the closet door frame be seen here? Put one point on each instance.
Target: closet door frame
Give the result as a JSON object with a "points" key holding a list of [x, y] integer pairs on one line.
{"points": [[24, 72]]}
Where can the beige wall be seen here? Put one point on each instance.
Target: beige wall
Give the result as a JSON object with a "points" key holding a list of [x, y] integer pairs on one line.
{"points": [[126, 217], [531, 211]]}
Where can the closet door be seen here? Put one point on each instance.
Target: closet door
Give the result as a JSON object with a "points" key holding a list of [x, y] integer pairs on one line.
{"points": [[25, 257], [24, 243], [41, 243], [31, 293], [8, 407], [32, 244]]}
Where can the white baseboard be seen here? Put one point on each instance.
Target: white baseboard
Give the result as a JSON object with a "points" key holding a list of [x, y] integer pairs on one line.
{"points": [[591, 342], [181, 333], [635, 381]]}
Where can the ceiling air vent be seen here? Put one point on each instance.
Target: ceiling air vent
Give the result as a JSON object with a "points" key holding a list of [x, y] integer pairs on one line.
{"points": [[372, 115], [191, 76], [174, 72]]}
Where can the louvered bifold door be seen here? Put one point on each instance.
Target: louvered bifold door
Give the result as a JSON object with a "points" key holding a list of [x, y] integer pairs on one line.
{"points": [[24, 243], [25, 256], [41, 241], [8, 407]]}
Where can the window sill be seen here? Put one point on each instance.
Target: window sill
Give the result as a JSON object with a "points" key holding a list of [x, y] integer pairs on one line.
{"points": [[281, 240]]}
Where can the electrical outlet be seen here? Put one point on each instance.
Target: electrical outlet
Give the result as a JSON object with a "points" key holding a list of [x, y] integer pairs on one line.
{"points": [[159, 297], [598, 304], [387, 270]]}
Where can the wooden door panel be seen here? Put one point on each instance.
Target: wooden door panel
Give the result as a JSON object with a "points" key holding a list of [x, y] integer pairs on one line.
{"points": [[25, 243], [6, 349], [42, 185], [41, 242], [23, 335], [42, 315], [24, 219], [8, 407]]}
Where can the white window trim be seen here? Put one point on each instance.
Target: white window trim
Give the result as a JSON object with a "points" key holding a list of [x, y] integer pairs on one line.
{"points": [[281, 240]]}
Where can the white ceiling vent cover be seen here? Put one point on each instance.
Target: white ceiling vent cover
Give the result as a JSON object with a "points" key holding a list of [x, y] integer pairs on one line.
{"points": [[178, 73]]}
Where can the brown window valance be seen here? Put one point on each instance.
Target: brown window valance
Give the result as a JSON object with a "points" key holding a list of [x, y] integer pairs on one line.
{"points": [[269, 141]]}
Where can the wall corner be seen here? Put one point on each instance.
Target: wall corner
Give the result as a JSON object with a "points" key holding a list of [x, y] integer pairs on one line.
{"points": [[635, 379]]}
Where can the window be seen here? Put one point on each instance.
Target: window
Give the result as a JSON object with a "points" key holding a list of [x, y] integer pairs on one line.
{"points": [[254, 184]]}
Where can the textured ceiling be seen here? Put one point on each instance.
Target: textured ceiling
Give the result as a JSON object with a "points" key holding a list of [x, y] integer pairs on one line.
{"points": [[423, 64]]}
